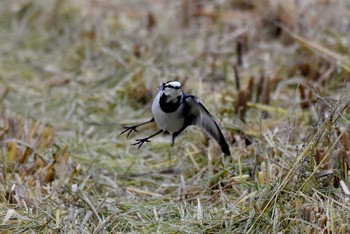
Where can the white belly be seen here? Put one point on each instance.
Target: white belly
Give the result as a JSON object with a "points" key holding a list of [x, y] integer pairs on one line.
{"points": [[170, 122]]}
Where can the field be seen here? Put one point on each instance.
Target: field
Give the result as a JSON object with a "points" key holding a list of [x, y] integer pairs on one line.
{"points": [[274, 74]]}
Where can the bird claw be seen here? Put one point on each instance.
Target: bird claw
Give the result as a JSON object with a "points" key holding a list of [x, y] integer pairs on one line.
{"points": [[140, 142], [130, 129]]}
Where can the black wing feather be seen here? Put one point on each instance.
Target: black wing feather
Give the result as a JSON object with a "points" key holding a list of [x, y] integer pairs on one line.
{"points": [[201, 117]]}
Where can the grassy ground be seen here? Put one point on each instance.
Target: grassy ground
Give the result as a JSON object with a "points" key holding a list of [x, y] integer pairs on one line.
{"points": [[275, 75]]}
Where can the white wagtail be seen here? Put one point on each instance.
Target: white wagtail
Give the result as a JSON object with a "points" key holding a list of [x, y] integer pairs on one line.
{"points": [[173, 111]]}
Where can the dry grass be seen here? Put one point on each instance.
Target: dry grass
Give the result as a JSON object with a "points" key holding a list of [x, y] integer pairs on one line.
{"points": [[275, 75]]}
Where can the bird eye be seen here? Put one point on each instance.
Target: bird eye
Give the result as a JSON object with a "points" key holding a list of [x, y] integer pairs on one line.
{"points": [[161, 86]]}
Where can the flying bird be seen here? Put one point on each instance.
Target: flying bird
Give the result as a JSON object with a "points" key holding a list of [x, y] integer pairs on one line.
{"points": [[173, 111]]}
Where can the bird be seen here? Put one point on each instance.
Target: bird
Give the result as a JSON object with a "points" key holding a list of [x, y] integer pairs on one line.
{"points": [[173, 111]]}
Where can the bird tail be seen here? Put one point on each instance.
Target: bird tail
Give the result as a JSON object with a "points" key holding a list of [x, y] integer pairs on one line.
{"points": [[225, 148]]}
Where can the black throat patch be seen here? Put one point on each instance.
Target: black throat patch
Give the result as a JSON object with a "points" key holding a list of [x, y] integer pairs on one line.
{"points": [[169, 107]]}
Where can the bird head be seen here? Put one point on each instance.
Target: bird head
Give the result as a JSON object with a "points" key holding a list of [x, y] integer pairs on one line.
{"points": [[170, 91]]}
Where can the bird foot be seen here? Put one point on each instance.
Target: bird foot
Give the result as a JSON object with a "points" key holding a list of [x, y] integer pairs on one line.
{"points": [[140, 142], [130, 129]]}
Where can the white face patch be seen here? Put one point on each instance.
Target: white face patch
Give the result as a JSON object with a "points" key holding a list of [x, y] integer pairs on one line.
{"points": [[174, 84], [172, 90]]}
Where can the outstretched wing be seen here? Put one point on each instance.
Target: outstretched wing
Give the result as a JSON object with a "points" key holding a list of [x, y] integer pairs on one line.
{"points": [[203, 119]]}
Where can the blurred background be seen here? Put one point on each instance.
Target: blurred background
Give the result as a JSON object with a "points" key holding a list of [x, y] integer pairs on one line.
{"points": [[274, 74]]}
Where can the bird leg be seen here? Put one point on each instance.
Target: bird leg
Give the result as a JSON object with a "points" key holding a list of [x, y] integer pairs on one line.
{"points": [[174, 135], [140, 142], [173, 139], [133, 128]]}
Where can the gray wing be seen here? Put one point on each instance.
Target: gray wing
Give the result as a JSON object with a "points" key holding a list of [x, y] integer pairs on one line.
{"points": [[203, 119]]}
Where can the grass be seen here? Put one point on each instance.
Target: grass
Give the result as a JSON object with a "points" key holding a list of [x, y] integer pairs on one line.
{"points": [[275, 76]]}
